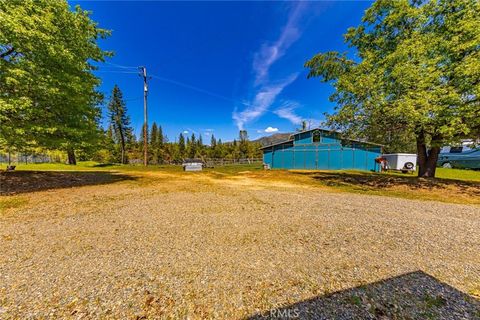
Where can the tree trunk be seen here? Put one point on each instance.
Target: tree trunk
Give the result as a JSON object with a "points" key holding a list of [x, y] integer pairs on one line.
{"points": [[427, 159], [71, 156], [122, 145]]}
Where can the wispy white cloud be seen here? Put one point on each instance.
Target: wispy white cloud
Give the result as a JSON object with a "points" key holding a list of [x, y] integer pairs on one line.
{"points": [[262, 101], [191, 130], [265, 89], [287, 111], [208, 132], [269, 53], [271, 130]]}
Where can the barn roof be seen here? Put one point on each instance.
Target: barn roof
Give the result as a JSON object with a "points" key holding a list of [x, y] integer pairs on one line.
{"points": [[276, 144], [321, 129]]}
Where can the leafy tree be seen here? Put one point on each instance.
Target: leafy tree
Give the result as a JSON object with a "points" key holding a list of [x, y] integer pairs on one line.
{"points": [[416, 76], [47, 90], [119, 122], [220, 151]]}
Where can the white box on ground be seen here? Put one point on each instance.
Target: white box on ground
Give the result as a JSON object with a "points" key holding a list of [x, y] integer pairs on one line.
{"points": [[192, 165], [401, 161]]}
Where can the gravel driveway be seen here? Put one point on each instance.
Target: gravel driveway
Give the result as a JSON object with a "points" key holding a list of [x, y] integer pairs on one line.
{"points": [[167, 246]]}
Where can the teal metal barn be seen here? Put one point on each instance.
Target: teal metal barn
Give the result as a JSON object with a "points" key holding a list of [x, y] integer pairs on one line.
{"points": [[320, 149]]}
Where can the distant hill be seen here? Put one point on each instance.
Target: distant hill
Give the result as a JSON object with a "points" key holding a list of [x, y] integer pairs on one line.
{"points": [[273, 139]]}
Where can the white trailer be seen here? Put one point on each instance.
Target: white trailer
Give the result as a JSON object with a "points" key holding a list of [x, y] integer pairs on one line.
{"points": [[405, 162]]}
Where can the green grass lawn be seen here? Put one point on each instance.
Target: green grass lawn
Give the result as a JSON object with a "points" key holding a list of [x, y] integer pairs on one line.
{"points": [[442, 173], [81, 166], [89, 166], [458, 174], [445, 173]]}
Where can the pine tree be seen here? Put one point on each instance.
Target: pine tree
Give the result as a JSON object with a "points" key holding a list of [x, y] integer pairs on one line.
{"points": [[154, 143], [192, 147], [213, 142], [110, 144], [119, 121], [181, 146], [141, 144], [161, 140], [243, 144]]}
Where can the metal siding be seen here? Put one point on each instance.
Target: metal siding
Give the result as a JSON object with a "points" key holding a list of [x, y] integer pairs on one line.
{"points": [[287, 159], [347, 158], [267, 157], [371, 155], [322, 159], [302, 154], [277, 159], [360, 159], [303, 138], [328, 139], [299, 161], [324, 147], [310, 147], [310, 159], [335, 162], [287, 156]]}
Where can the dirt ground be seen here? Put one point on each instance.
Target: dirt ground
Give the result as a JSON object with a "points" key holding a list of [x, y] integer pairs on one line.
{"points": [[179, 245]]}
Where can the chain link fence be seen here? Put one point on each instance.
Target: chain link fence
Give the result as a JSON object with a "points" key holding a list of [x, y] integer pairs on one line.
{"points": [[19, 158]]}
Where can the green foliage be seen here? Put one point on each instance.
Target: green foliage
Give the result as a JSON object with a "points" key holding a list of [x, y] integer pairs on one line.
{"points": [[120, 129], [416, 76], [157, 145], [181, 146], [47, 89]]}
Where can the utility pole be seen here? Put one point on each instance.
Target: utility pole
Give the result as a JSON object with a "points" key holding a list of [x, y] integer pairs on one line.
{"points": [[145, 122]]}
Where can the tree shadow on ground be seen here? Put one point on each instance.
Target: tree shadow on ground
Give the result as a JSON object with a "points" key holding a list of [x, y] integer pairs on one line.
{"points": [[414, 295], [16, 182], [103, 165], [369, 180]]}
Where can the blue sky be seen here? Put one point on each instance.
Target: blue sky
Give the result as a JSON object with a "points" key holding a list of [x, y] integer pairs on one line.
{"points": [[218, 67]]}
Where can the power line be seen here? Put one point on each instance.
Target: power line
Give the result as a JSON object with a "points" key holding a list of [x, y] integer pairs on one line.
{"points": [[188, 86], [133, 99], [127, 99], [178, 83], [120, 66], [114, 71]]}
